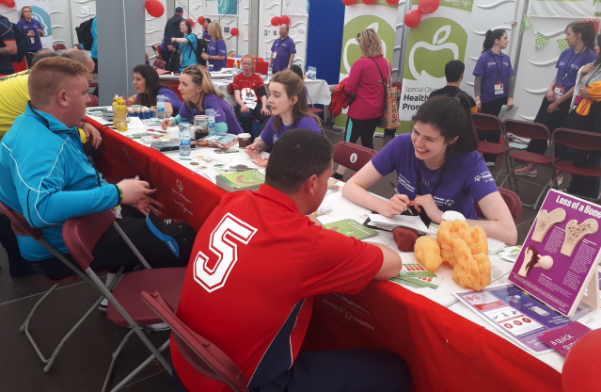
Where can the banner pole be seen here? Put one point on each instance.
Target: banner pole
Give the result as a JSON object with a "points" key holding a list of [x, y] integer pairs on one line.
{"points": [[520, 36]]}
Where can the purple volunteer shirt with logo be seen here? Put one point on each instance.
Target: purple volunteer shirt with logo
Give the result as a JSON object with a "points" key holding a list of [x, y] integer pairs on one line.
{"points": [[225, 113], [282, 49], [466, 178], [570, 62], [494, 68], [270, 136], [217, 48]]}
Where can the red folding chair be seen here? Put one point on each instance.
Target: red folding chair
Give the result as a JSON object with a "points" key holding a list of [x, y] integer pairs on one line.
{"points": [[352, 156], [513, 201], [488, 122], [204, 356], [582, 140], [534, 131], [22, 227], [59, 48], [125, 307], [159, 64]]}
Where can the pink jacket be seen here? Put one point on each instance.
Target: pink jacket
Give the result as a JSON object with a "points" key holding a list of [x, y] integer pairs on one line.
{"points": [[366, 83]]}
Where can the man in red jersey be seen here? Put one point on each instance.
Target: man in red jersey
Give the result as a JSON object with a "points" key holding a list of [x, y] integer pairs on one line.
{"points": [[258, 261]]}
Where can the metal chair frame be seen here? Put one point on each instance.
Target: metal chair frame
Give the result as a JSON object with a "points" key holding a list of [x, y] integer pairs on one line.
{"points": [[482, 121]]}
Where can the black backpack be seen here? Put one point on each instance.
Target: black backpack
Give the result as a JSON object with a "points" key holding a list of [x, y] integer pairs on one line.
{"points": [[84, 34], [23, 42], [202, 48]]}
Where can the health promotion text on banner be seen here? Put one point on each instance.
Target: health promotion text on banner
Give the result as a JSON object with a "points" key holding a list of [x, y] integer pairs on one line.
{"points": [[562, 8], [381, 17], [436, 41], [41, 12]]}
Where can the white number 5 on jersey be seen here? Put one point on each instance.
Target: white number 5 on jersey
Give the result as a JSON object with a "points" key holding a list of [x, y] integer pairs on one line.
{"points": [[223, 245]]}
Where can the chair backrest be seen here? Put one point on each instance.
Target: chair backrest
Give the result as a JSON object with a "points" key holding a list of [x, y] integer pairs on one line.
{"points": [[58, 47], [82, 234], [200, 353], [513, 201], [487, 122], [230, 88], [574, 138], [352, 155], [160, 64], [527, 129], [79, 47], [20, 224], [155, 49]]}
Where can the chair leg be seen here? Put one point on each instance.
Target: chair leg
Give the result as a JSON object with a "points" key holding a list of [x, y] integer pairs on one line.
{"points": [[115, 355], [25, 326]]}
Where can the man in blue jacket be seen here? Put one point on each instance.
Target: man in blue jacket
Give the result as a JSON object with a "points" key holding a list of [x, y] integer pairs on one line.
{"points": [[46, 176], [171, 31]]}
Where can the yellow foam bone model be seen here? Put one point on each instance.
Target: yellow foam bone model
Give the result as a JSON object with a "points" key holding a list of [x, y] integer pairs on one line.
{"points": [[427, 252], [471, 271]]}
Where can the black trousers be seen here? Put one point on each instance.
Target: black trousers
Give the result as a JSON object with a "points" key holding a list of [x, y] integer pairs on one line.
{"points": [[553, 120], [166, 55], [494, 108], [364, 129], [355, 370], [112, 252]]}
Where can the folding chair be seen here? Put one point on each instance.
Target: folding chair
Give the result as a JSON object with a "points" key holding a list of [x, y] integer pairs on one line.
{"points": [[157, 52], [582, 140], [513, 201], [204, 356], [159, 64], [22, 227], [125, 307], [533, 131], [352, 156], [488, 122], [60, 48]]}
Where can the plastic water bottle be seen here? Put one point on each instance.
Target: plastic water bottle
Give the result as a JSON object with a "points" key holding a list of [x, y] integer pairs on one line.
{"points": [[115, 103], [269, 72], [235, 67], [211, 114], [121, 116], [184, 139], [161, 107]]}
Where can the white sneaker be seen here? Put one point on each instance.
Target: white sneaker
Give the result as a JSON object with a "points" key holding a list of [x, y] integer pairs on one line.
{"points": [[159, 327], [103, 305]]}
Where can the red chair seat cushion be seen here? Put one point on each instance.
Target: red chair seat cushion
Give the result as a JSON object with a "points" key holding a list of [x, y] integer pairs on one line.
{"points": [[568, 167], [167, 281], [490, 148], [315, 110], [530, 157]]}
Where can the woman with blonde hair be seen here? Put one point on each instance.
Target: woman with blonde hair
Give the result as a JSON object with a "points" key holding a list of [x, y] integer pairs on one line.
{"points": [[217, 53], [367, 82], [199, 94], [289, 111]]}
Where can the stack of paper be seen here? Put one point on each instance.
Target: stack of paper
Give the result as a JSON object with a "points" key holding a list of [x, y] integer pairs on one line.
{"points": [[411, 222], [417, 276], [240, 181]]}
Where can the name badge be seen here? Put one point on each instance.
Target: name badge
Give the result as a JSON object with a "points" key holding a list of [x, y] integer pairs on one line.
{"points": [[275, 54], [32, 40], [499, 88], [558, 91]]}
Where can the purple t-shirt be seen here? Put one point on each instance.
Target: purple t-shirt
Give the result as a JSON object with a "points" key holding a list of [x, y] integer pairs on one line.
{"points": [[170, 96], [282, 49], [270, 136], [206, 35], [568, 65], [466, 178], [494, 68], [34, 25], [225, 113], [218, 49]]}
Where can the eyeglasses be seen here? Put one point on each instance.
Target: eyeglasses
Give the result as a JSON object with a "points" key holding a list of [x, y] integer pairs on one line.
{"points": [[193, 67]]}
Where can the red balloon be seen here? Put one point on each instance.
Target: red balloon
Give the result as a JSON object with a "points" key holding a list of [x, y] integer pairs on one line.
{"points": [[276, 21], [595, 22], [235, 31], [201, 20], [154, 7], [346, 2], [393, 2], [369, 2], [583, 363], [11, 3], [191, 22], [428, 6], [413, 18], [284, 19]]}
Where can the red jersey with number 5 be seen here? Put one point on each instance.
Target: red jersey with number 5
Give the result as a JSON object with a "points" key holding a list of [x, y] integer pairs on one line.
{"points": [[256, 264]]}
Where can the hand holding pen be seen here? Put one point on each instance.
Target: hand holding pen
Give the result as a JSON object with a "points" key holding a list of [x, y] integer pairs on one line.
{"points": [[398, 203]]}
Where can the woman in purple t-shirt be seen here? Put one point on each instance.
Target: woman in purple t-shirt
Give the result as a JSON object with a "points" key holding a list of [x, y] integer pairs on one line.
{"points": [[146, 82], [34, 31], [289, 111], [556, 103], [438, 169]]}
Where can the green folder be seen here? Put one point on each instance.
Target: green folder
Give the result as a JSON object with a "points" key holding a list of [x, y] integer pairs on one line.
{"points": [[351, 228]]}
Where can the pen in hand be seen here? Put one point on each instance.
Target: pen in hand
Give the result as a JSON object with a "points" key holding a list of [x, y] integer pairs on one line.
{"points": [[397, 192]]}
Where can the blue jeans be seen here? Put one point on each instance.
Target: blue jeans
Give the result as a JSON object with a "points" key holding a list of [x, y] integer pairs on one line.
{"points": [[246, 119], [356, 370]]}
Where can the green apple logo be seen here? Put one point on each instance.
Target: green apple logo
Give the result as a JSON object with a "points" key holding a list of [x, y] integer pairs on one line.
{"points": [[429, 52], [350, 49]]}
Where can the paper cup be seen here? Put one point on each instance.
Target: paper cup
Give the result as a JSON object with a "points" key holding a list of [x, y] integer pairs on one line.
{"points": [[451, 216], [244, 140]]}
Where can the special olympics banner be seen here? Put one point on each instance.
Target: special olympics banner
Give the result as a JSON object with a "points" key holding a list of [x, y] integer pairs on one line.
{"points": [[430, 46], [41, 12], [562, 8], [382, 17]]}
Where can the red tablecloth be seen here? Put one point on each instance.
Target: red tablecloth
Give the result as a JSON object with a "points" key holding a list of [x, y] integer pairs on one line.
{"points": [[185, 194], [445, 351]]}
